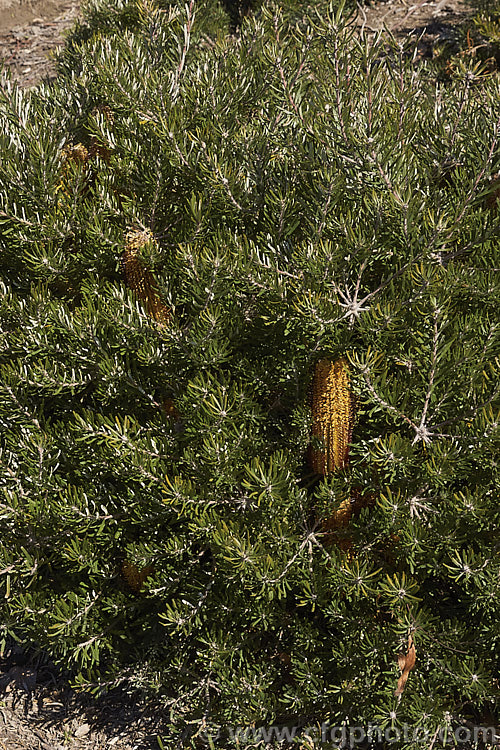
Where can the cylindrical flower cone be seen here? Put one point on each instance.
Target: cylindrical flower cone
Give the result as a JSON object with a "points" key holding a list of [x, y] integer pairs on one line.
{"points": [[333, 416]]}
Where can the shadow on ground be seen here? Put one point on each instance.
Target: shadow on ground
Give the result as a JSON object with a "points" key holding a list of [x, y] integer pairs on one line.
{"points": [[40, 711]]}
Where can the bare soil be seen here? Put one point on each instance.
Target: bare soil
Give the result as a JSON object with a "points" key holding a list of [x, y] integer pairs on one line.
{"points": [[30, 32], [432, 22], [38, 709], [404, 17]]}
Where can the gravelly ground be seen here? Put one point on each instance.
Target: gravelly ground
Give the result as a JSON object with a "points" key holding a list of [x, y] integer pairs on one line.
{"points": [[406, 16], [30, 32], [39, 711], [434, 21], [31, 29]]}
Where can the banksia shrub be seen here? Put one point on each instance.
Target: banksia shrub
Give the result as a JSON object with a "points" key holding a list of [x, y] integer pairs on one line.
{"points": [[307, 194]]}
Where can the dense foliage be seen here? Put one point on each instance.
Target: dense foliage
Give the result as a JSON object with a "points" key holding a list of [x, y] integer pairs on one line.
{"points": [[301, 195]]}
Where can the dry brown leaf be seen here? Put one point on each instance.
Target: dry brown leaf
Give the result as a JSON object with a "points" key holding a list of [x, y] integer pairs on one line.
{"points": [[406, 662]]}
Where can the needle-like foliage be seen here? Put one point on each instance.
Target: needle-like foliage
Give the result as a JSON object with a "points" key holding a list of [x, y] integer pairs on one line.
{"points": [[306, 196]]}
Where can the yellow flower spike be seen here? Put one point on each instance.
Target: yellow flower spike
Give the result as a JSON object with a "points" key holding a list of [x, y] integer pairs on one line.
{"points": [[333, 419], [333, 415]]}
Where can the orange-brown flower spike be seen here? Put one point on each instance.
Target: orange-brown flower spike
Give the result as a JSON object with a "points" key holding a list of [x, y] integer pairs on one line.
{"points": [[140, 279], [134, 576], [333, 415], [170, 409], [74, 157]]}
